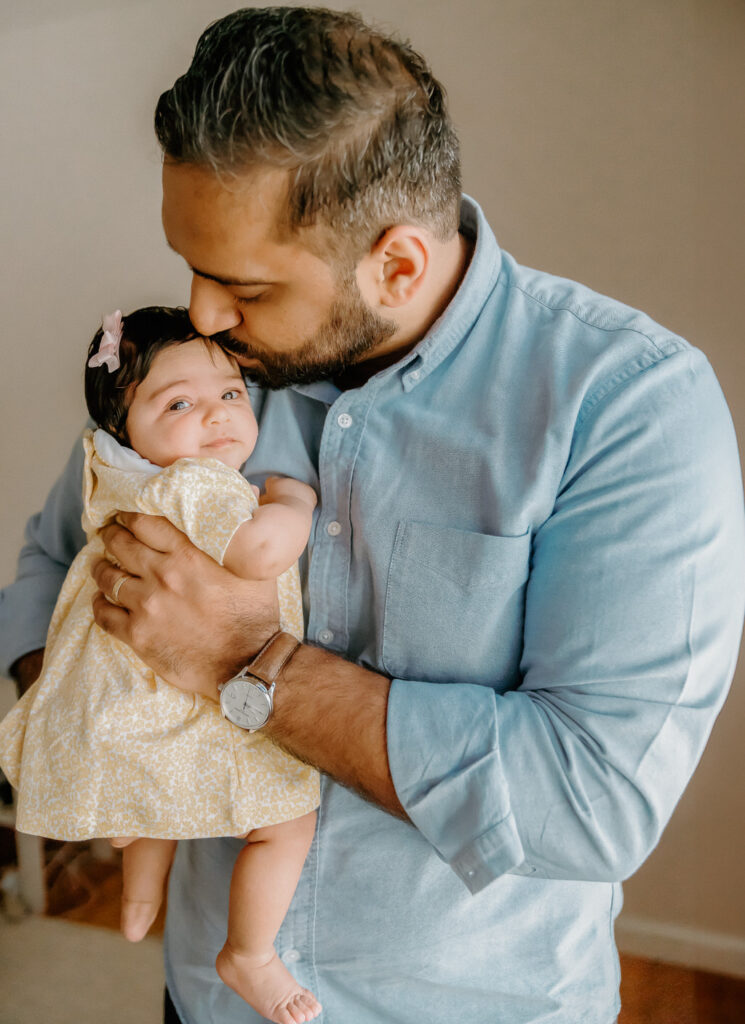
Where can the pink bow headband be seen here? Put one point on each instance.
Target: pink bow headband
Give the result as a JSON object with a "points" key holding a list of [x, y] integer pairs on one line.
{"points": [[108, 350]]}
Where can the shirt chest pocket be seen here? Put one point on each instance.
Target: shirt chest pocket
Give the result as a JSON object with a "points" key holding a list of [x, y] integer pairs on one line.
{"points": [[454, 605]]}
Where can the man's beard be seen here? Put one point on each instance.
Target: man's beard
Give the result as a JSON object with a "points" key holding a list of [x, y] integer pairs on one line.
{"points": [[350, 330]]}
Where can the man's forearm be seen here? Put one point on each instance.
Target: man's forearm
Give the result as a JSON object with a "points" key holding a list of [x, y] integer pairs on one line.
{"points": [[26, 670], [332, 714]]}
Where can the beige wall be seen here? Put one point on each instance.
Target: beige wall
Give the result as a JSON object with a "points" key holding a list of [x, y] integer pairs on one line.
{"points": [[605, 140]]}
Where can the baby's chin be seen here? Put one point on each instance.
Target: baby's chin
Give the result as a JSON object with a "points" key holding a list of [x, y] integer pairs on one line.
{"points": [[234, 463], [233, 456]]}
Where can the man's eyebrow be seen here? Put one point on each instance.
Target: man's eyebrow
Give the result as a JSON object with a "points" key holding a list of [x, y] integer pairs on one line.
{"points": [[234, 282]]}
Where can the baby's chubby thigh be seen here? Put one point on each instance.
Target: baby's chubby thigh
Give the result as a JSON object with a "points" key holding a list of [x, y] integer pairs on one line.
{"points": [[145, 866], [297, 832]]}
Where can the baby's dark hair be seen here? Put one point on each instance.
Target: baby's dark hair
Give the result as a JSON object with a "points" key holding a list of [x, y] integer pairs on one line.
{"points": [[145, 333]]}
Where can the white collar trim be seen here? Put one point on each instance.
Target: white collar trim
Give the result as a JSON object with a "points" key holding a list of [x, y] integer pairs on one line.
{"points": [[114, 454]]}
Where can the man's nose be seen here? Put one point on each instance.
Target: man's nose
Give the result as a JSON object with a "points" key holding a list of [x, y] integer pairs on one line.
{"points": [[211, 307]]}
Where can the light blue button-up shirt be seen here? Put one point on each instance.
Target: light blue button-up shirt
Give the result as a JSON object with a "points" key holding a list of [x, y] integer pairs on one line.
{"points": [[533, 524]]}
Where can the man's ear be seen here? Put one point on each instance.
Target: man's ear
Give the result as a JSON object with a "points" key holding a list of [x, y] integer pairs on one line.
{"points": [[394, 270]]}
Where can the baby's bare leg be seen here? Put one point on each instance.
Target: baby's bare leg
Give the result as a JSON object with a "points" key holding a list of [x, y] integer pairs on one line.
{"points": [[145, 866], [264, 880]]}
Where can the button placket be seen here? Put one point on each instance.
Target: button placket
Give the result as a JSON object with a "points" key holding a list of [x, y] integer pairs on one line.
{"points": [[330, 561]]}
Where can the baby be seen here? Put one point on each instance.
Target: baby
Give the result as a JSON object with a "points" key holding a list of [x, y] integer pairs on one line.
{"points": [[100, 745]]}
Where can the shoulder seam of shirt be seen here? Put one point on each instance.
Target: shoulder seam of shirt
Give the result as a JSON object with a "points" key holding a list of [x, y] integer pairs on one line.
{"points": [[609, 387], [635, 368], [675, 343]]}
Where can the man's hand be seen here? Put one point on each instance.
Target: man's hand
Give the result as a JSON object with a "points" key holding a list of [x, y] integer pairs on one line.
{"points": [[192, 621], [26, 670]]}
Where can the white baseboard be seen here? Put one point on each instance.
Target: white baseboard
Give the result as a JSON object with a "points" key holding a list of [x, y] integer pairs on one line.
{"points": [[677, 944]]}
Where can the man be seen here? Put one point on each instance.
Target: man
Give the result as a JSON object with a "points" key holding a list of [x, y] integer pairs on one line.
{"points": [[524, 587]]}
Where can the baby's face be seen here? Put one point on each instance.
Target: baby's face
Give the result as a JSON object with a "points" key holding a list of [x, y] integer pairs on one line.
{"points": [[192, 403]]}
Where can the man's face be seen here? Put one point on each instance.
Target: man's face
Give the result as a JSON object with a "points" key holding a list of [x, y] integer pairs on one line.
{"points": [[286, 314]]}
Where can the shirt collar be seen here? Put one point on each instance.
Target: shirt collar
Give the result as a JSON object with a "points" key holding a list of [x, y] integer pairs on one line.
{"points": [[455, 322]]}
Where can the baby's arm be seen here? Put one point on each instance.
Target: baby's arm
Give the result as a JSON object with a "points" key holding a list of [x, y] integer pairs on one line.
{"points": [[267, 545]]}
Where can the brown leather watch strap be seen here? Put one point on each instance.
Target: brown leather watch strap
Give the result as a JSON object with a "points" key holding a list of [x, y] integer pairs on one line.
{"points": [[273, 657]]}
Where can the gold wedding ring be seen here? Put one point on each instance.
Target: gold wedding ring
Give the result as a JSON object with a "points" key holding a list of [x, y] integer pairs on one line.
{"points": [[114, 598]]}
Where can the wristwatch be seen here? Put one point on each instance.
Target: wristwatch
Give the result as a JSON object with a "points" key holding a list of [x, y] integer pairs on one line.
{"points": [[247, 700]]}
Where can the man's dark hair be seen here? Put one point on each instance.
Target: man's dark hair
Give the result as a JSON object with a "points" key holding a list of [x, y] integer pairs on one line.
{"points": [[355, 116], [145, 333]]}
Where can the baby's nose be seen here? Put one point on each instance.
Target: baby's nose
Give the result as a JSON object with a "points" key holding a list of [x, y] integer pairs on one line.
{"points": [[218, 412]]}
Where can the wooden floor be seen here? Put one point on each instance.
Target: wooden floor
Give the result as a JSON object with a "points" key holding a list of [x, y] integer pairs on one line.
{"points": [[83, 889], [653, 993]]}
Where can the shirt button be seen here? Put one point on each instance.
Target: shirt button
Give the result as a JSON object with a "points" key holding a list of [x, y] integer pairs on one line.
{"points": [[291, 956], [415, 375], [344, 420], [333, 529], [325, 636]]}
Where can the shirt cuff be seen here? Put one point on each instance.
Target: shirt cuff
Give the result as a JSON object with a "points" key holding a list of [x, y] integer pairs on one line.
{"points": [[445, 764]]}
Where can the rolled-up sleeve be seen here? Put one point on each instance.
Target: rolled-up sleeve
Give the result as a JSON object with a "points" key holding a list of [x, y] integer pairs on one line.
{"points": [[53, 537], [633, 615]]}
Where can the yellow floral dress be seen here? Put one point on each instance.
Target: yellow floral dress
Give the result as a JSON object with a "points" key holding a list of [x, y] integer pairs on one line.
{"points": [[102, 746]]}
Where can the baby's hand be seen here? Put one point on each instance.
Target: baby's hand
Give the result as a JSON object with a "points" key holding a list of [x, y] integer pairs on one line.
{"points": [[271, 541], [282, 488]]}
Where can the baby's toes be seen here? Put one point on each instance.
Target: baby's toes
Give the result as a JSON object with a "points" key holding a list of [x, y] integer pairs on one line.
{"points": [[286, 1015], [303, 1007], [309, 1003]]}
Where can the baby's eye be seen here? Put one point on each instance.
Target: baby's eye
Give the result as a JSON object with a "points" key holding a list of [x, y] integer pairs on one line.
{"points": [[232, 394], [178, 405]]}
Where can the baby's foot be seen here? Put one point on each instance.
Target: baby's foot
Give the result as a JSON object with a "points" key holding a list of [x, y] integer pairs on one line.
{"points": [[268, 986], [137, 916]]}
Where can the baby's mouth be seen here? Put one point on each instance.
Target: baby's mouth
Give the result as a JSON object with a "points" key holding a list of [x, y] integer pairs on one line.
{"points": [[220, 442]]}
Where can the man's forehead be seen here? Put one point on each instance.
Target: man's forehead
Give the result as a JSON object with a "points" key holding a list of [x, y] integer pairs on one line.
{"points": [[225, 218], [257, 197]]}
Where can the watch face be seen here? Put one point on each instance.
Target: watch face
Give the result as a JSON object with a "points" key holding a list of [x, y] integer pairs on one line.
{"points": [[245, 703]]}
